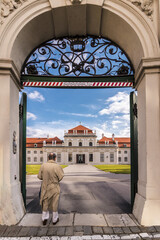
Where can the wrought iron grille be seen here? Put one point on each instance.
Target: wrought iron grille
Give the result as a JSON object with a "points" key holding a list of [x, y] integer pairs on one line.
{"points": [[78, 57]]}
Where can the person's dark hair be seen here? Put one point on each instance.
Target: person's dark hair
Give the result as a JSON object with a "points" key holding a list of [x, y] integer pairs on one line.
{"points": [[52, 156]]}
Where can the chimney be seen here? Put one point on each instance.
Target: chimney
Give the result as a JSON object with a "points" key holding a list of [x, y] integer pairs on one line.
{"points": [[102, 135], [48, 136], [113, 137]]}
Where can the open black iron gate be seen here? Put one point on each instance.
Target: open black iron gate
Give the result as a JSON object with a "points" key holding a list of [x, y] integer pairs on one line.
{"points": [[22, 144], [134, 145]]}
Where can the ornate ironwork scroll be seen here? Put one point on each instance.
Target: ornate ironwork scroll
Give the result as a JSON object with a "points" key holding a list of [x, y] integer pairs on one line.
{"points": [[78, 57]]}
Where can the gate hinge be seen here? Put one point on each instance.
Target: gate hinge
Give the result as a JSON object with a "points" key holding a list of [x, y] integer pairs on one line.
{"points": [[135, 110], [20, 111]]}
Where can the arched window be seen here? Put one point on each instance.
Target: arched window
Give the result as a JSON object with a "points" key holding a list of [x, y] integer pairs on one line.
{"points": [[90, 144], [80, 144], [70, 144]]}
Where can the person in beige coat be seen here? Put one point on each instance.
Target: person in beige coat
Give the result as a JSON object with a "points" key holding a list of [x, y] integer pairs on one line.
{"points": [[51, 174]]}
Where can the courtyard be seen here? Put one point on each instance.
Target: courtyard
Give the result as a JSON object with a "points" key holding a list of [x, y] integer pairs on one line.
{"points": [[86, 189]]}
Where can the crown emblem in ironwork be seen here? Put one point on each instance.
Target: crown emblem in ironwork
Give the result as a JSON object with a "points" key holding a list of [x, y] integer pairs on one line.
{"points": [[77, 44], [75, 1]]}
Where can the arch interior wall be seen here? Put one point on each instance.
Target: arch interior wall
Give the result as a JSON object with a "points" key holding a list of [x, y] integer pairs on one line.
{"points": [[134, 28]]}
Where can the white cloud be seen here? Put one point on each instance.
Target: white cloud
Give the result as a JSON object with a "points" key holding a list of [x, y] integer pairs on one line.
{"points": [[101, 128], [117, 104], [125, 117], [91, 106], [125, 132], [54, 128], [41, 131], [36, 96], [31, 116], [79, 114], [116, 124]]}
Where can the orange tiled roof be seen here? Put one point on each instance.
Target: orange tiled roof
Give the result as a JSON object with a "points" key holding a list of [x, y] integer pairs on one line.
{"points": [[79, 129], [49, 140], [121, 141], [39, 141], [35, 140]]}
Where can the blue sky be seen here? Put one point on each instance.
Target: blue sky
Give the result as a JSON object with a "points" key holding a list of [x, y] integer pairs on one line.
{"points": [[51, 111]]}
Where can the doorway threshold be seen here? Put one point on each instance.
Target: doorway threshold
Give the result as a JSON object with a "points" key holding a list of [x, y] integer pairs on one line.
{"points": [[77, 219]]}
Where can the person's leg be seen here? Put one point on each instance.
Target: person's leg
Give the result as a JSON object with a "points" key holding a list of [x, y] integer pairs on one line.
{"points": [[45, 212], [55, 202]]}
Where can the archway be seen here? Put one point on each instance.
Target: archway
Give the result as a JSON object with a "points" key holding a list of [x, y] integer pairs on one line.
{"points": [[133, 31], [79, 62]]}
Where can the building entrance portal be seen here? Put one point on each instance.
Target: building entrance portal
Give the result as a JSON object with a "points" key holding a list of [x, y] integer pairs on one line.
{"points": [[80, 158], [86, 61]]}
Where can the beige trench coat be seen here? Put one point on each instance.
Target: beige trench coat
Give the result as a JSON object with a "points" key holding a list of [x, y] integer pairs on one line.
{"points": [[51, 174]]}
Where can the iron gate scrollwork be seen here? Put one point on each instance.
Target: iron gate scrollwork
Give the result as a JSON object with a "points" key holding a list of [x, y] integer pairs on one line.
{"points": [[78, 57]]}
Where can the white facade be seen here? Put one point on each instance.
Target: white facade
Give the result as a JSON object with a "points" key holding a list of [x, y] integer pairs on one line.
{"points": [[80, 148]]}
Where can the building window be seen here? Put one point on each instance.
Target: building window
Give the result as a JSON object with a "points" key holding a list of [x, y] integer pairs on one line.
{"points": [[111, 157], [70, 157], [58, 157], [35, 145], [29, 159], [119, 159], [28, 152], [101, 157], [91, 157], [41, 152], [126, 159], [41, 159], [35, 152], [35, 159], [125, 152], [119, 152], [70, 144], [80, 144], [90, 144]]}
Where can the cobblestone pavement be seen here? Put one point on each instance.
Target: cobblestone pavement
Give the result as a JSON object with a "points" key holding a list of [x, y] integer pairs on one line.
{"points": [[70, 227], [78, 233]]}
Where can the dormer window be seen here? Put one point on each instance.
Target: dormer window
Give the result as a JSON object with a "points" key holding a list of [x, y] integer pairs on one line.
{"points": [[70, 144], [35, 145], [80, 144]]}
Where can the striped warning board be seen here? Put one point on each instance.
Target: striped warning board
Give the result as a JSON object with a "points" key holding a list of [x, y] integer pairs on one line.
{"points": [[77, 84]]}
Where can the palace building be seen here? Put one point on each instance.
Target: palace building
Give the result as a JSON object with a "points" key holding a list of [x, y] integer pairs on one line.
{"points": [[80, 146]]}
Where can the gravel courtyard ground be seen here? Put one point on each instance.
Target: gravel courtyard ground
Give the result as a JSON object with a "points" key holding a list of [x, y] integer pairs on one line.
{"points": [[85, 189]]}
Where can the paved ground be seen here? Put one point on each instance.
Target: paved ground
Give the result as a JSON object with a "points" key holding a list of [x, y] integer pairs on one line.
{"points": [[86, 189], [51, 232]]}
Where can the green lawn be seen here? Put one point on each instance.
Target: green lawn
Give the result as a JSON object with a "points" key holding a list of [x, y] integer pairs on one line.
{"points": [[122, 169], [34, 169]]}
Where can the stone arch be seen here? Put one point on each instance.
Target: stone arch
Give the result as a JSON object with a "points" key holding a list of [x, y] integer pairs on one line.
{"points": [[37, 21]]}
